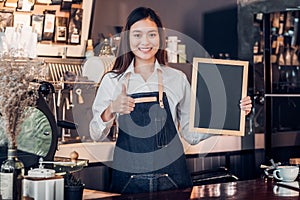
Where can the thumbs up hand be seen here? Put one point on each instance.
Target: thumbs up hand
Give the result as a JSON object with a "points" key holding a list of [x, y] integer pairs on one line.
{"points": [[123, 104]]}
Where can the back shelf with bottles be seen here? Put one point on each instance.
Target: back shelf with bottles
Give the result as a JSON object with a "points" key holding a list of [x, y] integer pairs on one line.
{"points": [[276, 71], [284, 50]]}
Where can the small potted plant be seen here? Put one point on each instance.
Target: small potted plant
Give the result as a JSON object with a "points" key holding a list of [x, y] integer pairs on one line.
{"points": [[73, 187]]}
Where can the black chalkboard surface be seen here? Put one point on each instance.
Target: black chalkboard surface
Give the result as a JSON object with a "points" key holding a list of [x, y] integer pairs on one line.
{"points": [[217, 88]]}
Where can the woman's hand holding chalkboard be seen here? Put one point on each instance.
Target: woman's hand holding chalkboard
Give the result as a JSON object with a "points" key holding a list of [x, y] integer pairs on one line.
{"points": [[246, 104]]}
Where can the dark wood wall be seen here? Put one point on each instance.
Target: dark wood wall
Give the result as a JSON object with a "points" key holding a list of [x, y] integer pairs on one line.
{"points": [[211, 23]]}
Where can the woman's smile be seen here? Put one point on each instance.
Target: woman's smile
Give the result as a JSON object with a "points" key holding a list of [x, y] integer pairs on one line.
{"points": [[145, 49]]}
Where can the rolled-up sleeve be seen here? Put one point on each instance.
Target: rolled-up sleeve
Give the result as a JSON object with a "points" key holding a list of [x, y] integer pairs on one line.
{"points": [[98, 128]]}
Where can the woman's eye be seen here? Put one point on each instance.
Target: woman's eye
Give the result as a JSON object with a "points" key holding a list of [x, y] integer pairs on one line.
{"points": [[137, 35], [152, 35]]}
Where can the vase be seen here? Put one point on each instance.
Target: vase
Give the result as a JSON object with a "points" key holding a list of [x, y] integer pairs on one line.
{"points": [[74, 192], [11, 176]]}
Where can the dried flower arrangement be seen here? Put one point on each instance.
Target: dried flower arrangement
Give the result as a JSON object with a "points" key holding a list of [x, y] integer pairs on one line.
{"points": [[18, 91]]}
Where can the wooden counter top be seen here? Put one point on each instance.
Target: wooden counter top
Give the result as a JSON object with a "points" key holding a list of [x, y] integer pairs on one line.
{"points": [[258, 189], [94, 194]]}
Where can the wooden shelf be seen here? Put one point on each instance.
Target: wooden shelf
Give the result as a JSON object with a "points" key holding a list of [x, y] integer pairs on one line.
{"points": [[56, 49]]}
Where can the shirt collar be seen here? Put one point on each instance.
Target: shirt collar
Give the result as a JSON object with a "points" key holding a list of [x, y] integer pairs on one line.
{"points": [[130, 68]]}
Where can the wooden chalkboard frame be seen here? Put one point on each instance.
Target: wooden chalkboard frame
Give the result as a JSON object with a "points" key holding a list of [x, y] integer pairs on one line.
{"points": [[239, 78]]}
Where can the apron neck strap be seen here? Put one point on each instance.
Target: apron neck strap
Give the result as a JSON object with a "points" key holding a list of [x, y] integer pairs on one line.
{"points": [[160, 86]]}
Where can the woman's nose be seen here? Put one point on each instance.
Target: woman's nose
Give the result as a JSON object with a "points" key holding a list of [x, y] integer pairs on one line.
{"points": [[145, 39]]}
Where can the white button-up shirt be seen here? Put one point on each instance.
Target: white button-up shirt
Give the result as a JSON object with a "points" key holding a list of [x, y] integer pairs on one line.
{"points": [[176, 87]]}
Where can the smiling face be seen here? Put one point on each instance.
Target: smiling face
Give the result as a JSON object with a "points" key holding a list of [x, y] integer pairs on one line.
{"points": [[144, 40]]}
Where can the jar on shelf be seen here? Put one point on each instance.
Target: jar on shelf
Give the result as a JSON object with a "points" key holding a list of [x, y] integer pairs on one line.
{"points": [[106, 49]]}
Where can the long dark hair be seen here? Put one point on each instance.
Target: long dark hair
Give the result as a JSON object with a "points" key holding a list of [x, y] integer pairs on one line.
{"points": [[124, 54]]}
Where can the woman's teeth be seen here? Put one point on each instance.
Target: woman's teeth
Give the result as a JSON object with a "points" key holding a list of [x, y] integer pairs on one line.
{"points": [[145, 49]]}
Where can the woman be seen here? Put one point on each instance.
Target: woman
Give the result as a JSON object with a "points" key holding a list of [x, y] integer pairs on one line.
{"points": [[149, 101]]}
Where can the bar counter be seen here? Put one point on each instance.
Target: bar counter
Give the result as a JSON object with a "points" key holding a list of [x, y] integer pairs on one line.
{"points": [[258, 189]]}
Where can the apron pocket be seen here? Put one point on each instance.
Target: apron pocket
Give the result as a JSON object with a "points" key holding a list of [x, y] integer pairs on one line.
{"points": [[149, 183]]}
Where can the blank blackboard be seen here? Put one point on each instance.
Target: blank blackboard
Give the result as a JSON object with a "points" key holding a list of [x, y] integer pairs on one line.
{"points": [[217, 88]]}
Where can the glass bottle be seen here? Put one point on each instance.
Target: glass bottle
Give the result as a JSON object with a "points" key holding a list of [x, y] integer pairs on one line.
{"points": [[288, 57], [295, 60], [255, 48], [281, 60], [89, 49], [12, 173], [106, 49], [274, 41], [75, 38]]}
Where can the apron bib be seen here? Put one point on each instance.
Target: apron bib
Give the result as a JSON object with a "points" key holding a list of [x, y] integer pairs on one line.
{"points": [[149, 156]]}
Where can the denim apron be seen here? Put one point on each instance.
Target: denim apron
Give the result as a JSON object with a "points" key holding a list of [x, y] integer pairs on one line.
{"points": [[149, 155]]}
